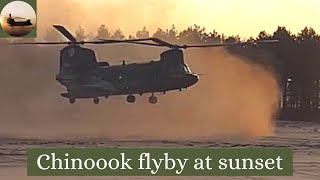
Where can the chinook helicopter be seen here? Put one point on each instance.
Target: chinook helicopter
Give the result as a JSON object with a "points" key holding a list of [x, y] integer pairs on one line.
{"points": [[84, 77], [12, 21]]}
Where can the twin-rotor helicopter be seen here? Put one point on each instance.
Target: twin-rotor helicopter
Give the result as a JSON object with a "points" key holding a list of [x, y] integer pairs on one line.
{"points": [[86, 78], [17, 21]]}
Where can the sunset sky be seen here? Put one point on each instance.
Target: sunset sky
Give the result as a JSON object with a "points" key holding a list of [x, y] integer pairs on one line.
{"points": [[244, 17], [18, 9]]}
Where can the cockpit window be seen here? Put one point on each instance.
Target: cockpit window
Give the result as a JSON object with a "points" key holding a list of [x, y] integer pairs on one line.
{"points": [[184, 69], [179, 69], [187, 69]]}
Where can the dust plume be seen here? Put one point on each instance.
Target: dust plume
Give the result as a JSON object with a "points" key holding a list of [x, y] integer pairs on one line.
{"points": [[233, 98]]}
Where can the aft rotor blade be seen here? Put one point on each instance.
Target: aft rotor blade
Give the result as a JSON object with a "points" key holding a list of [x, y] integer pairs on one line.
{"points": [[161, 43], [228, 44], [123, 41], [209, 45], [65, 32]]}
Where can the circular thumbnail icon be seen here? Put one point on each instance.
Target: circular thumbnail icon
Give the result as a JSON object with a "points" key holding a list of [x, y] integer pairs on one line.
{"points": [[18, 18]]}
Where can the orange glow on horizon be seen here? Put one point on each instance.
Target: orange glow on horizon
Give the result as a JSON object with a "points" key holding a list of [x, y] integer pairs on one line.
{"points": [[233, 17]]}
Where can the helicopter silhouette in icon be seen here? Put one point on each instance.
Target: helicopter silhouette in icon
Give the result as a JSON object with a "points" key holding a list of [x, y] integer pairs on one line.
{"points": [[15, 21]]}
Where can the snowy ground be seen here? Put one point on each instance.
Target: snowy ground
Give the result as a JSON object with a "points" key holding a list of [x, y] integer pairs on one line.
{"points": [[304, 138]]}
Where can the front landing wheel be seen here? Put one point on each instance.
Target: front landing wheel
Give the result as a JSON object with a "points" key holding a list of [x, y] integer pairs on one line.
{"points": [[96, 100], [131, 99], [153, 100], [72, 100]]}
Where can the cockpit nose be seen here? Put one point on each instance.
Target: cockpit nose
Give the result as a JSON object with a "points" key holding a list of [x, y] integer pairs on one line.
{"points": [[192, 79], [195, 78]]}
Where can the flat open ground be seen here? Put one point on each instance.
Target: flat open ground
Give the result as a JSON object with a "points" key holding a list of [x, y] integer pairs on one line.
{"points": [[303, 137]]}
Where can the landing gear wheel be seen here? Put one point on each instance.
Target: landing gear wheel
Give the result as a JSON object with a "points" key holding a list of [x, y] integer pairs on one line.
{"points": [[96, 100], [131, 99], [153, 99], [72, 100]]}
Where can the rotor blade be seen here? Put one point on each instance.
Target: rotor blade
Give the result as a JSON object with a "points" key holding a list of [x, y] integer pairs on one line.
{"points": [[57, 43], [159, 41], [148, 44], [208, 45], [156, 40], [121, 41], [199, 74], [131, 40], [16, 17], [82, 42], [44, 43], [267, 41], [65, 32], [228, 44]]}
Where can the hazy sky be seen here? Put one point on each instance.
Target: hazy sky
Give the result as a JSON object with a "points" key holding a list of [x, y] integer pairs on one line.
{"points": [[243, 17], [19, 9]]}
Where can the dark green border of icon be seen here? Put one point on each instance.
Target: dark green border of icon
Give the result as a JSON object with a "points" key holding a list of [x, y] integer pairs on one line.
{"points": [[33, 4]]}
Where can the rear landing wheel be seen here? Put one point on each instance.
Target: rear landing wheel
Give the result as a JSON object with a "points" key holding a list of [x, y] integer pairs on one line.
{"points": [[72, 100], [131, 99], [96, 100], [153, 99]]}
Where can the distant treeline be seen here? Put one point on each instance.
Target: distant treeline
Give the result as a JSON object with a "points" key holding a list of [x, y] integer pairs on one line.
{"points": [[295, 59]]}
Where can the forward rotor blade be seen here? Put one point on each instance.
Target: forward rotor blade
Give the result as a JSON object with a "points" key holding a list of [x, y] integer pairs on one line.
{"points": [[148, 44], [111, 42], [83, 42], [122, 41], [44, 43], [15, 17], [161, 43], [57, 43], [65, 32], [127, 40]]}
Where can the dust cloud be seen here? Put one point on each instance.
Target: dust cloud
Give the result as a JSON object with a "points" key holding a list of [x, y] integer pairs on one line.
{"points": [[234, 98]]}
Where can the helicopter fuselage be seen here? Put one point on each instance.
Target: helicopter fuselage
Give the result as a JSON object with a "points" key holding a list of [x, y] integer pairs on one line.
{"points": [[84, 77], [12, 22]]}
